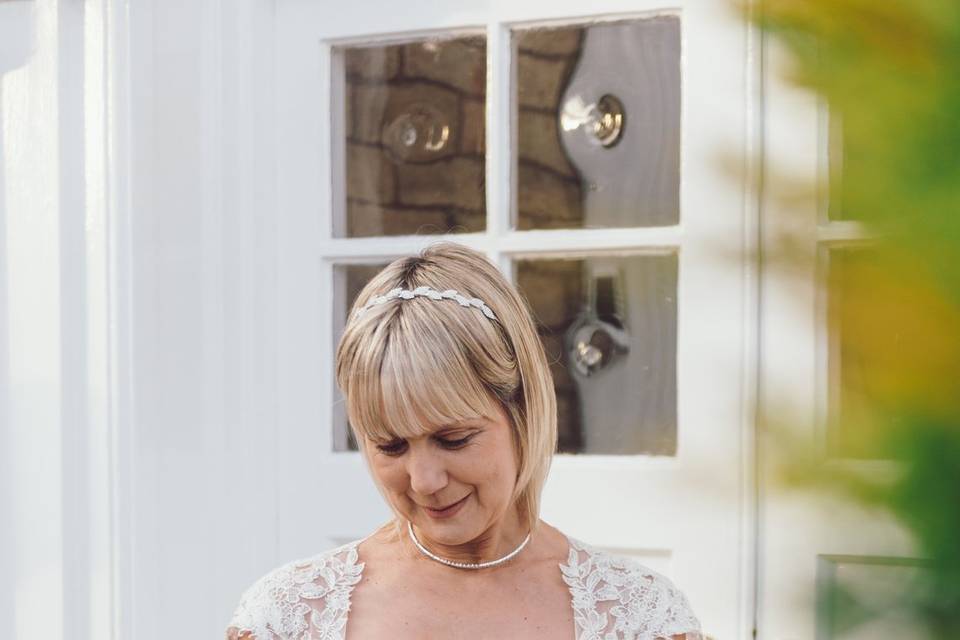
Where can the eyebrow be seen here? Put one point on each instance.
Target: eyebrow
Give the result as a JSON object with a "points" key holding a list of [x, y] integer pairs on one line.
{"points": [[443, 428], [458, 425], [469, 423]]}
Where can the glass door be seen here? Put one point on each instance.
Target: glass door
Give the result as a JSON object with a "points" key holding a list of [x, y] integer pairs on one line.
{"points": [[579, 152], [815, 547]]}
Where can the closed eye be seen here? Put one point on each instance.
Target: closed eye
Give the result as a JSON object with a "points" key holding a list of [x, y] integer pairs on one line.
{"points": [[393, 448], [454, 444], [397, 447]]}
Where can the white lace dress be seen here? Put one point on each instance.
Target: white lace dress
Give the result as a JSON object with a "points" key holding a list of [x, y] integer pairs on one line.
{"points": [[613, 598]]}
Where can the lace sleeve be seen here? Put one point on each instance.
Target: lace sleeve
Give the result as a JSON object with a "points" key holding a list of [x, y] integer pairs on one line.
{"points": [[304, 600], [264, 611], [679, 622], [616, 597]]}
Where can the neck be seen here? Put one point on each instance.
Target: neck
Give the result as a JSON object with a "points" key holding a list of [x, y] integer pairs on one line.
{"points": [[497, 540]]}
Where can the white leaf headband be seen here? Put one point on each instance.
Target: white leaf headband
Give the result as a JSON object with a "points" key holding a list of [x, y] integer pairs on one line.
{"points": [[427, 292]]}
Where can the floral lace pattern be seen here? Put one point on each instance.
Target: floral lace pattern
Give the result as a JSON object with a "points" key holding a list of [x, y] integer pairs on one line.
{"points": [[612, 598], [618, 599], [285, 603]]}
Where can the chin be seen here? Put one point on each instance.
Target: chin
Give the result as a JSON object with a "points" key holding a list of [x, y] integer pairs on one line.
{"points": [[456, 530], [450, 536]]}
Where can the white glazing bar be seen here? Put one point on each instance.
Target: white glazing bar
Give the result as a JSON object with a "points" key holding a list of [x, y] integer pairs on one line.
{"points": [[500, 131], [843, 231], [374, 248], [826, 340], [540, 243], [404, 36], [501, 142], [565, 241]]}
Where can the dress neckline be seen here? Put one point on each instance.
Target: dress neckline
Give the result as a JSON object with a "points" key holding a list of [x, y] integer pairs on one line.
{"points": [[353, 556], [611, 597]]}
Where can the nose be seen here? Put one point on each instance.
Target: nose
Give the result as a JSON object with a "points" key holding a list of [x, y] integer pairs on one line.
{"points": [[426, 470]]}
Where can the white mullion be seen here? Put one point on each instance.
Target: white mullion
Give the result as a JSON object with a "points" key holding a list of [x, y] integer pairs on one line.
{"points": [[823, 342], [374, 248], [565, 241], [845, 231], [521, 16], [500, 136], [500, 130], [542, 243], [405, 36]]}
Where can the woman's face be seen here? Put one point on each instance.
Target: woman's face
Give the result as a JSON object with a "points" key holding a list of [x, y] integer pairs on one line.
{"points": [[452, 484]]}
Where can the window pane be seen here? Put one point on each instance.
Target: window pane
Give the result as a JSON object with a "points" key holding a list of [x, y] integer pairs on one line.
{"points": [[845, 174], [414, 127], [598, 125], [864, 598], [853, 428], [349, 280], [609, 326]]}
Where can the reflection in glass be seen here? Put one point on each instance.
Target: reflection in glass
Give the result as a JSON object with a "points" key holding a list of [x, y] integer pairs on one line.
{"points": [[867, 598], [844, 173], [414, 130], [598, 125], [850, 430], [349, 280], [609, 326]]}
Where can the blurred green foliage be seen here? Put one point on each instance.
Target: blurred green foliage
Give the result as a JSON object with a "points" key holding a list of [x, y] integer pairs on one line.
{"points": [[889, 74]]}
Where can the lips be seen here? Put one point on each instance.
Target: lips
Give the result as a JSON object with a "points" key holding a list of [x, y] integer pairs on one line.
{"points": [[448, 510], [448, 506]]}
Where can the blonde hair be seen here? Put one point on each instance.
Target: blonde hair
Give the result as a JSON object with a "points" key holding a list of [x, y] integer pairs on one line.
{"points": [[408, 366]]}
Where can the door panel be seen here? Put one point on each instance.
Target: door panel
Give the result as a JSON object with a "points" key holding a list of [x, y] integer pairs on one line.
{"points": [[642, 230]]}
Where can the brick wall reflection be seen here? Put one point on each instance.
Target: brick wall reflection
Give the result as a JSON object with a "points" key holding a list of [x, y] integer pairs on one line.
{"points": [[398, 180]]}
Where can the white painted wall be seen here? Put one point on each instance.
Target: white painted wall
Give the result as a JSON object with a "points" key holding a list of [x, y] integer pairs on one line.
{"points": [[137, 302], [203, 330]]}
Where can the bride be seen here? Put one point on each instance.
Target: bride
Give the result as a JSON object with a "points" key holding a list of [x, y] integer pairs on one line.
{"points": [[450, 397]]}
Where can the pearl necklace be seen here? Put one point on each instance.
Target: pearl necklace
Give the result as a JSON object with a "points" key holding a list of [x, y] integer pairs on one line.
{"points": [[464, 565]]}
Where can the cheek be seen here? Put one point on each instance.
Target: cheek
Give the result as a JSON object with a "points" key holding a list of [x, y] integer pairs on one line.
{"points": [[389, 475], [496, 472]]}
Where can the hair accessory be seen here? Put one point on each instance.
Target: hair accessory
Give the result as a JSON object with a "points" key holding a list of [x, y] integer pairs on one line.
{"points": [[465, 565], [427, 292]]}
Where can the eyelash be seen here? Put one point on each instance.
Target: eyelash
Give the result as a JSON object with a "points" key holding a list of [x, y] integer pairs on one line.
{"points": [[397, 447]]}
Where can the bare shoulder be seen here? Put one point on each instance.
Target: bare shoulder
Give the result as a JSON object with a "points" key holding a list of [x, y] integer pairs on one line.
{"points": [[552, 544]]}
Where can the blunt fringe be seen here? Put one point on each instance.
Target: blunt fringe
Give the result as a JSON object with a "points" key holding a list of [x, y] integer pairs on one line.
{"points": [[408, 366]]}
